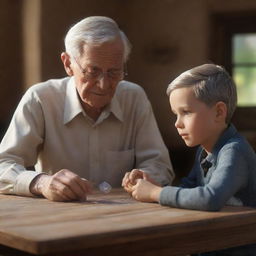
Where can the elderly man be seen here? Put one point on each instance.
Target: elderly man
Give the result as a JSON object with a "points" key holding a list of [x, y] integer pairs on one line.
{"points": [[89, 127]]}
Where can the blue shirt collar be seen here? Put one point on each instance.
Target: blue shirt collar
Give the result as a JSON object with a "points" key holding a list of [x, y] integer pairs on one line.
{"points": [[227, 134]]}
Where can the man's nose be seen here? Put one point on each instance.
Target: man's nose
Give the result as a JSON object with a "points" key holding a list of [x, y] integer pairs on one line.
{"points": [[103, 81]]}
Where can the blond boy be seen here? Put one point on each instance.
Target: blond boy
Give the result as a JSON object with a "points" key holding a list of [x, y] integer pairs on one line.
{"points": [[203, 100], [224, 173]]}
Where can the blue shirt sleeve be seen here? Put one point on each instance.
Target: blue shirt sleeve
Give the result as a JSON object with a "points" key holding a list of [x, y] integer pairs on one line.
{"points": [[229, 175]]}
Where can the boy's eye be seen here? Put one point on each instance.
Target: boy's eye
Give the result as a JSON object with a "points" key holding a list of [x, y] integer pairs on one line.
{"points": [[186, 112]]}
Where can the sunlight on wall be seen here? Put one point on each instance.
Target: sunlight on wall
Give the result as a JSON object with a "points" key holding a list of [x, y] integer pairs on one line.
{"points": [[31, 42]]}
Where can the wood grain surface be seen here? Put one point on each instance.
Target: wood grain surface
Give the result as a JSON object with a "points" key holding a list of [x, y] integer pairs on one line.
{"points": [[115, 224]]}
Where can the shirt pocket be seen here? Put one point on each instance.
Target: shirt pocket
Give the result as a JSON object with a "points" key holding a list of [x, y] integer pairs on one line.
{"points": [[118, 163]]}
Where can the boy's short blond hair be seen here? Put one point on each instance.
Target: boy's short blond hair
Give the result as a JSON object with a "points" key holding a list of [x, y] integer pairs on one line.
{"points": [[211, 83]]}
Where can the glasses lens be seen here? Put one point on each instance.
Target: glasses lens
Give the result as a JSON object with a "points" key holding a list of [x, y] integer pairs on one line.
{"points": [[96, 73], [114, 75]]}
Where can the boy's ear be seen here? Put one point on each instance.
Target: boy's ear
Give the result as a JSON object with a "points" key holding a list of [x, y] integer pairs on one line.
{"points": [[67, 63], [221, 111]]}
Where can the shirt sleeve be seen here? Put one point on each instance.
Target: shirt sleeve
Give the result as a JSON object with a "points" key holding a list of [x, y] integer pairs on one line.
{"points": [[19, 147], [152, 155], [229, 176]]}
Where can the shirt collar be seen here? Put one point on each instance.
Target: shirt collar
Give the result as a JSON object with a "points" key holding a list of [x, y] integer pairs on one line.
{"points": [[206, 160], [228, 133], [115, 108], [73, 106]]}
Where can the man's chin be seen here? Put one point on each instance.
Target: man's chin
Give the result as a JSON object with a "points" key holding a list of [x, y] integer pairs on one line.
{"points": [[98, 105]]}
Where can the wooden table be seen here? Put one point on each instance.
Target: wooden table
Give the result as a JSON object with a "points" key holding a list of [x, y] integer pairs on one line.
{"points": [[115, 224]]}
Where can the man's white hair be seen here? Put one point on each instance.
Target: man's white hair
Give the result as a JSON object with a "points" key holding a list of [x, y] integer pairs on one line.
{"points": [[94, 30]]}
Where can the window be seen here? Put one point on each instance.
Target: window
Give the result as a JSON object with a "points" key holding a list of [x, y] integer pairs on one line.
{"points": [[244, 67], [232, 43]]}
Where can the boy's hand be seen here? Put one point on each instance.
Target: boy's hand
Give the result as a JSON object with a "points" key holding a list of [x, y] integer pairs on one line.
{"points": [[130, 179], [145, 191]]}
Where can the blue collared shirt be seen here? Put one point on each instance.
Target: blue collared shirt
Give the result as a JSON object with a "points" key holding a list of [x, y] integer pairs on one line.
{"points": [[230, 178]]}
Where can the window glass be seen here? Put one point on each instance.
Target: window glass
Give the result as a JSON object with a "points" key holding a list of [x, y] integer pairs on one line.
{"points": [[244, 67]]}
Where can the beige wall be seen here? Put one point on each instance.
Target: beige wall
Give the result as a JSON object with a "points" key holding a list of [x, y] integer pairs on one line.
{"points": [[168, 36]]}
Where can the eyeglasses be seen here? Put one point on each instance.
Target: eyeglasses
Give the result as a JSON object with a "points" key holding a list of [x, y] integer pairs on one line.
{"points": [[95, 73]]}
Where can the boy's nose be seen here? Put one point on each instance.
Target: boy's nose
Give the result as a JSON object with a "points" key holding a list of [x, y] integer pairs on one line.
{"points": [[178, 123]]}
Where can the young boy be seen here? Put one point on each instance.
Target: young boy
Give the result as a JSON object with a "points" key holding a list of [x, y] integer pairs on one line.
{"points": [[224, 173]]}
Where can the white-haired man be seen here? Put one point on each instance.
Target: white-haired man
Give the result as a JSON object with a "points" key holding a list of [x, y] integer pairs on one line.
{"points": [[89, 127]]}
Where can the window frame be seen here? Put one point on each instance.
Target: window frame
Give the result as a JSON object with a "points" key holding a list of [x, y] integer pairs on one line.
{"points": [[223, 26]]}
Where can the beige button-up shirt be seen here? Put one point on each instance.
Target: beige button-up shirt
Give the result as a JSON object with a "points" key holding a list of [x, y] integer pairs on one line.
{"points": [[50, 131]]}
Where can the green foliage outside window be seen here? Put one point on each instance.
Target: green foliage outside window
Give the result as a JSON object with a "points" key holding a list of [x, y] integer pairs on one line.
{"points": [[244, 68]]}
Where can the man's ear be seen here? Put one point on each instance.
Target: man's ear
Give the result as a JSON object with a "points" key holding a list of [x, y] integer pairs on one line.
{"points": [[67, 63], [221, 111]]}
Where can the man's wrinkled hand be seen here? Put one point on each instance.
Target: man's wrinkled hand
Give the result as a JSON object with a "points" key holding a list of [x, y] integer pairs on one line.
{"points": [[62, 186]]}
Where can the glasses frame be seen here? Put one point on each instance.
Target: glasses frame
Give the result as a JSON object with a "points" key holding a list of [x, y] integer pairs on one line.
{"points": [[102, 74]]}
